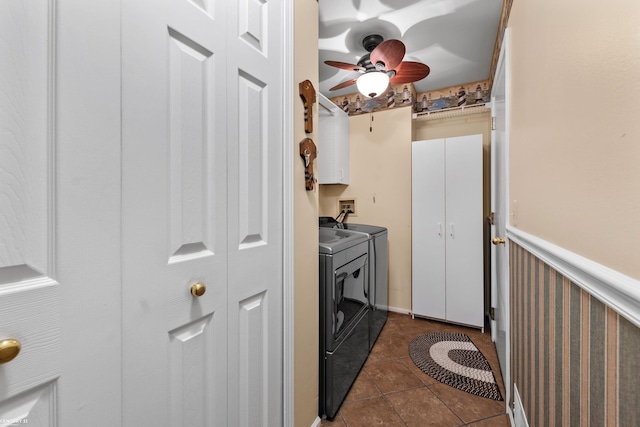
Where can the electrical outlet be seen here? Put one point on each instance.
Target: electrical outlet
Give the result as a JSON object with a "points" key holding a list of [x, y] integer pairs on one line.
{"points": [[348, 205]]}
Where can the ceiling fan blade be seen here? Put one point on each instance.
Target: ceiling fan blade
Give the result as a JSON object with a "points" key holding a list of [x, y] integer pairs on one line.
{"points": [[344, 84], [409, 72], [345, 65], [390, 52]]}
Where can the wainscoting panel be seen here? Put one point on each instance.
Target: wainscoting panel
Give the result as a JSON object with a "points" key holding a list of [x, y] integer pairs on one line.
{"points": [[575, 361]]}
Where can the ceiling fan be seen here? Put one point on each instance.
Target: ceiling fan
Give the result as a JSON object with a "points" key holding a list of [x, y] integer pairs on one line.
{"points": [[383, 65]]}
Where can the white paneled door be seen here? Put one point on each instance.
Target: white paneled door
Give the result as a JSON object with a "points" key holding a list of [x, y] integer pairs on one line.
{"points": [[30, 324], [141, 220], [499, 206], [60, 213], [202, 211]]}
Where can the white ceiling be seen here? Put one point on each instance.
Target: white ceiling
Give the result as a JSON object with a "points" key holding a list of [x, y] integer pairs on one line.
{"points": [[455, 38]]}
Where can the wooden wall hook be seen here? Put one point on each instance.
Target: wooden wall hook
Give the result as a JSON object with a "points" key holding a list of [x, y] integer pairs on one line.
{"points": [[308, 95], [308, 152]]}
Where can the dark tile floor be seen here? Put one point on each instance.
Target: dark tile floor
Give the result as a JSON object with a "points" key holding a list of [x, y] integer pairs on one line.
{"points": [[391, 391]]}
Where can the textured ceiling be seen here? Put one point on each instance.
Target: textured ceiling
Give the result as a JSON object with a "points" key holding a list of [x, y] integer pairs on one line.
{"points": [[455, 38]]}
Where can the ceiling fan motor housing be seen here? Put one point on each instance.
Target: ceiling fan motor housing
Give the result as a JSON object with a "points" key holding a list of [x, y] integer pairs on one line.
{"points": [[371, 41]]}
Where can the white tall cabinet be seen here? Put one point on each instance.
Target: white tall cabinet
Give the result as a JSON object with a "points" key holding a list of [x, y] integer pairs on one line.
{"points": [[447, 230]]}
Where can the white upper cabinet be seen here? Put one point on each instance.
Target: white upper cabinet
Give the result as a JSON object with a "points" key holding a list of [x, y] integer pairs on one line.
{"points": [[333, 143]]}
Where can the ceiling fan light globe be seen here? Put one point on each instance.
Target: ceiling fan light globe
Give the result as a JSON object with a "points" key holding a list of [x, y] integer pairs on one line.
{"points": [[372, 84]]}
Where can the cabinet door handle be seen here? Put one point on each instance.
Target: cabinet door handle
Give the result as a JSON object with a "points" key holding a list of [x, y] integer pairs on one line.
{"points": [[440, 229], [451, 234]]}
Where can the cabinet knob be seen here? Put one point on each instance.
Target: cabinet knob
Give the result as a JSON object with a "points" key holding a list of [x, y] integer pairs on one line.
{"points": [[9, 349], [198, 289]]}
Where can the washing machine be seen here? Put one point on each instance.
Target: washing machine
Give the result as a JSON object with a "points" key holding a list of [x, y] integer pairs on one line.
{"points": [[344, 314], [378, 270]]}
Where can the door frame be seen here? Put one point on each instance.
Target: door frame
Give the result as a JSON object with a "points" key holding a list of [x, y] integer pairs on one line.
{"points": [[287, 216]]}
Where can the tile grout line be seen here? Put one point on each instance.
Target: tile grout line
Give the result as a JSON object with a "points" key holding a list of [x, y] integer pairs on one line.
{"points": [[445, 403]]}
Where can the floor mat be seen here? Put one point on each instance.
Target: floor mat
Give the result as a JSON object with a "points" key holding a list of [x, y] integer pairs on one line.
{"points": [[454, 360]]}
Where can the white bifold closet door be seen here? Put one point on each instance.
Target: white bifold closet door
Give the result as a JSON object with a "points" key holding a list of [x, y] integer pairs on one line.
{"points": [[202, 206], [447, 221]]}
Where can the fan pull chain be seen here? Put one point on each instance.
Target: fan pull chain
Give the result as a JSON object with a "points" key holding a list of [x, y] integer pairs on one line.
{"points": [[371, 123]]}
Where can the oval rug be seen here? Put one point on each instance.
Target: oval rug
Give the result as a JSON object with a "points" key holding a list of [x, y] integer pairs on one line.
{"points": [[454, 360]]}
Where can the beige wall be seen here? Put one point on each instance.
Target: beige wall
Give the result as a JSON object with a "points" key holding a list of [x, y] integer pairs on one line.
{"points": [[381, 170], [380, 163], [305, 228], [575, 127]]}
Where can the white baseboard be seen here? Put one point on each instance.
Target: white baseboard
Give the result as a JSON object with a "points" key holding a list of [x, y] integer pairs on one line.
{"points": [[519, 417], [317, 422], [399, 310]]}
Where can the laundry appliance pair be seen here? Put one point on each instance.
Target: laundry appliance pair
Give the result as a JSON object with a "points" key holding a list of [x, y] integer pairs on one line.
{"points": [[353, 304]]}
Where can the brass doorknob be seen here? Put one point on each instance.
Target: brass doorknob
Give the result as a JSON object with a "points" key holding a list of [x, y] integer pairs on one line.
{"points": [[9, 349], [498, 241], [198, 289]]}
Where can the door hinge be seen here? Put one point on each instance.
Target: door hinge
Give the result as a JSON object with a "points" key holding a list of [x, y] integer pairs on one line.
{"points": [[491, 218], [493, 123], [492, 313]]}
